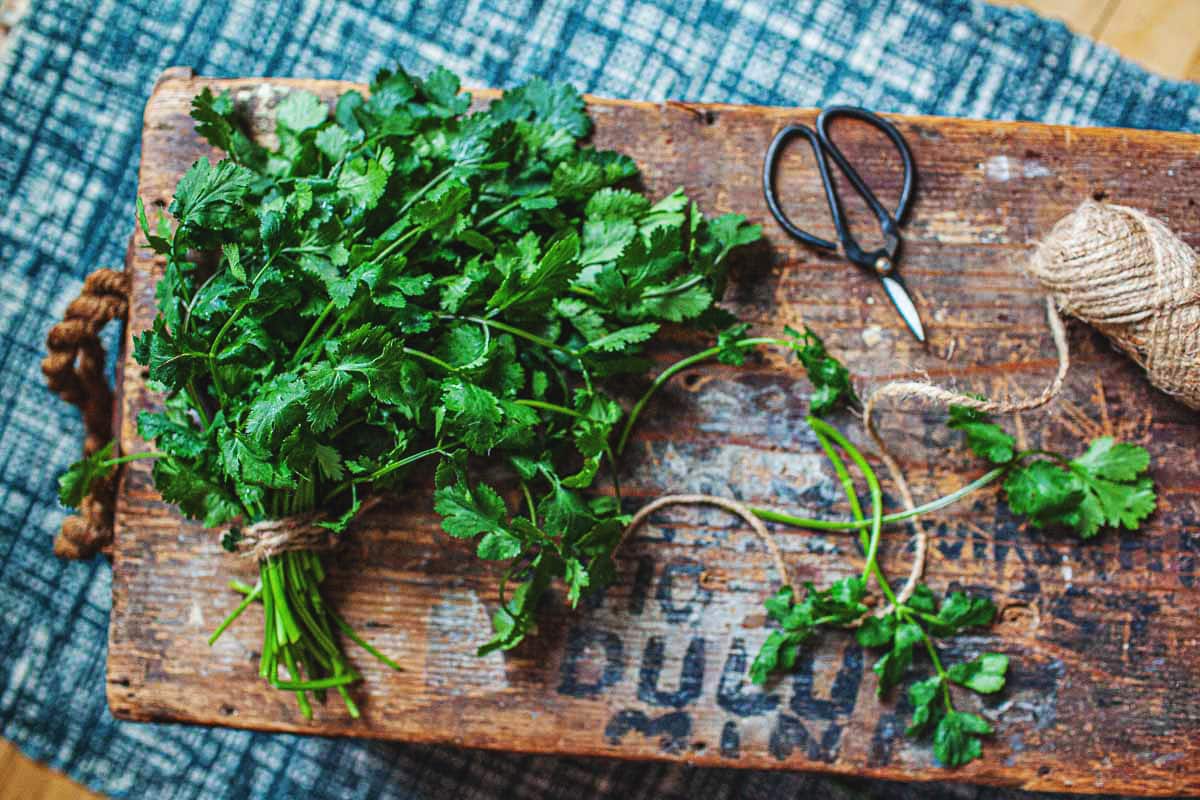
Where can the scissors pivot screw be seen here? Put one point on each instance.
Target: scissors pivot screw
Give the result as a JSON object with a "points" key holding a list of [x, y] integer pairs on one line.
{"points": [[883, 265]]}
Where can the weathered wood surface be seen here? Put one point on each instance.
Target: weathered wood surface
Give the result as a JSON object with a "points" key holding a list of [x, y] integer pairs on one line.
{"points": [[1104, 637]]}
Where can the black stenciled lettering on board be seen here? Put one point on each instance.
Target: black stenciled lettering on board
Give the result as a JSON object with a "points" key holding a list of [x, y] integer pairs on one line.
{"points": [[674, 728], [677, 607], [790, 733], [1189, 546], [691, 674], [1189, 550], [731, 741], [641, 584], [842, 695], [888, 730], [582, 643], [1132, 542], [1007, 537], [950, 546], [732, 694]]}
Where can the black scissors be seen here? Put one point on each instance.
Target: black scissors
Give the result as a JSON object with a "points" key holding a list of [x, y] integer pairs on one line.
{"points": [[881, 262]]}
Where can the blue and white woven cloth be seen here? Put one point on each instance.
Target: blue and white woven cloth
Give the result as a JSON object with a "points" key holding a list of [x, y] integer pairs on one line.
{"points": [[75, 75]]}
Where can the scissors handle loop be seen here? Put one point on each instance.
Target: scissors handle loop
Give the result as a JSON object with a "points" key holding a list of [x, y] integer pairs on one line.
{"points": [[822, 144]]}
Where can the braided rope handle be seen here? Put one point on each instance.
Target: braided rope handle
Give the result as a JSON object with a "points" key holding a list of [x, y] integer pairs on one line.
{"points": [[74, 369]]}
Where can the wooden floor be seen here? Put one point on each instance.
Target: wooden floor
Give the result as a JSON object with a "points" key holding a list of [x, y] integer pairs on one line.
{"points": [[1161, 35]]}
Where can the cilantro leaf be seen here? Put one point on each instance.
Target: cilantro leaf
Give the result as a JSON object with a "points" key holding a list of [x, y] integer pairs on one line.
{"points": [[727, 340], [922, 694], [960, 610], [985, 439], [984, 674], [76, 483], [300, 111], [830, 379], [1104, 486], [469, 512], [956, 739], [209, 196]]}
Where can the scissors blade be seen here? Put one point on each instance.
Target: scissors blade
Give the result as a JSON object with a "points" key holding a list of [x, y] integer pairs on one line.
{"points": [[904, 304]]}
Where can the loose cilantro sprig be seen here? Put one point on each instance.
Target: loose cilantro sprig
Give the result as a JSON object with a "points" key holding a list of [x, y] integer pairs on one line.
{"points": [[1106, 486], [398, 282]]}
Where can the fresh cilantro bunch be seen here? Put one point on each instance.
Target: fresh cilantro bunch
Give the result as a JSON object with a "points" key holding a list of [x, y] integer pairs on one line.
{"points": [[399, 282]]}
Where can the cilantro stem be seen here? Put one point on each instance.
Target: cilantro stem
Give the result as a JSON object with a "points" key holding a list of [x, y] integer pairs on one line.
{"points": [[289, 661], [312, 330], [431, 359], [529, 502], [907, 613], [320, 683], [670, 290], [502, 210], [251, 596], [543, 405], [237, 312], [674, 370], [345, 628], [194, 396], [875, 490], [848, 525], [382, 471], [112, 462], [400, 240], [419, 193], [839, 466], [515, 331]]}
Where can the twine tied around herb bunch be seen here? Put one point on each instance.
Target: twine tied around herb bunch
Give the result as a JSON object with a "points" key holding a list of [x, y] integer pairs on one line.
{"points": [[271, 537]]}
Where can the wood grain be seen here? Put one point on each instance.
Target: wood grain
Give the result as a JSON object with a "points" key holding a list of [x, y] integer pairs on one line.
{"points": [[1104, 637]]}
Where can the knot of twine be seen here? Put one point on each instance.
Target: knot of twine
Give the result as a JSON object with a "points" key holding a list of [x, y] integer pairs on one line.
{"points": [[272, 537], [1124, 272], [74, 369]]}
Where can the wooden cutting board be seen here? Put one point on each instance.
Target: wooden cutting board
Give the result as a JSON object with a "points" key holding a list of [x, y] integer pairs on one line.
{"points": [[1104, 637]]}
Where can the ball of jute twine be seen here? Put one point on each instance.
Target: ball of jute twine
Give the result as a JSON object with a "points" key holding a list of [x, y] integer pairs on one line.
{"points": [[1123, 272]]}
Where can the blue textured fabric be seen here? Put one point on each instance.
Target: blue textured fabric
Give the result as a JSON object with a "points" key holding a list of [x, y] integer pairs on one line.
{"points": [[75, 77]]}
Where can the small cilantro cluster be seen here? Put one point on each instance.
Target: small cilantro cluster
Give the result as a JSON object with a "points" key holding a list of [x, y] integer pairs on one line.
{"points": [[1106, 486], [404, 281]]}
